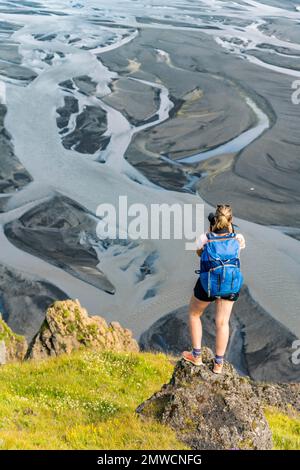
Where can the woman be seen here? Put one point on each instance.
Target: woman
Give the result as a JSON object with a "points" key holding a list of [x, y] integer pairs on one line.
{"points": [[221, 230]]}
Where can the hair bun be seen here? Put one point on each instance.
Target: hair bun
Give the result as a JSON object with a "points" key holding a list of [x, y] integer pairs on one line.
{"points": [[223, 217]]}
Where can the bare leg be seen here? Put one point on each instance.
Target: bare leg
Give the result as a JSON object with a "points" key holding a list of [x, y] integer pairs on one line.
{"points": [[196, 309], [223, 312]]}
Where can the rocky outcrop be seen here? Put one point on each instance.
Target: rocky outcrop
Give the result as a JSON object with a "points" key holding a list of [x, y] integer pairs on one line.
{"points": [[13, 347], [209, 411], [67, 327]]}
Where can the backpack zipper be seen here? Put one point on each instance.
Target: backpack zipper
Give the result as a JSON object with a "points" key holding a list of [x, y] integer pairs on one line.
{"points": [[224, 266]]}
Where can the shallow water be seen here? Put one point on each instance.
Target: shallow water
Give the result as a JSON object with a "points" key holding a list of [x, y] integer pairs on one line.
{"points": [[240, 142]]}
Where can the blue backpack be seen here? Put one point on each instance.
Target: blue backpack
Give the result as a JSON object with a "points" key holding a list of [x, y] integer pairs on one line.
{"points": [[219, 272]]}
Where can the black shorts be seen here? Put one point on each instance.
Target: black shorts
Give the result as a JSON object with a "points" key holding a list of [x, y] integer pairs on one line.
{"points": [[200, 294]]}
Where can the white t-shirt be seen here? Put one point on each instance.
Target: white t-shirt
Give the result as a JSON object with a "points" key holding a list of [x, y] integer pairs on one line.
{"points": [[202, 240]]}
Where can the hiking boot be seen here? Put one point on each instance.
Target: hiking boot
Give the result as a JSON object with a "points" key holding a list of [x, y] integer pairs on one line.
{"points": [[189, 357], [217, 369]]}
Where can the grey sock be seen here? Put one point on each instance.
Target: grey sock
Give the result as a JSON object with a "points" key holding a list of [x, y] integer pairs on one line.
{"points": [[219, 359], [196, 352]]}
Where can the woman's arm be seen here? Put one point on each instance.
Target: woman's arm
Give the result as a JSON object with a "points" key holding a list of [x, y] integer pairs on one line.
{"points": [[241, 240], [200, 243], [199, 251]]}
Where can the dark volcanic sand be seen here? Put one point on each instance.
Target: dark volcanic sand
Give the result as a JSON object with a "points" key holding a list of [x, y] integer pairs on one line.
{"points": [[24, 300], [13, 176], [270, 165], [61, 232]]}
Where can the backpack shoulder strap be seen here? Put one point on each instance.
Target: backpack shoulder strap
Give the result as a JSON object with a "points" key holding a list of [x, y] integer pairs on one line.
{"points": [[225, 236]]}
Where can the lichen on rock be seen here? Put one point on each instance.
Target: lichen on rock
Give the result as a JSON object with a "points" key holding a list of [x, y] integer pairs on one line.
{"points": [[209, 411], [67, 327]]}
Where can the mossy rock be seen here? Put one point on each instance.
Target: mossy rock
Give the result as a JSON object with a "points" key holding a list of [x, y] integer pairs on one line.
{"points": [[13, 346], [70, 325], [209, 411]]}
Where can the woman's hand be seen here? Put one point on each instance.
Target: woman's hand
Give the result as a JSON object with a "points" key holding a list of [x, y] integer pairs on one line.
{"points": [[199, 251]]}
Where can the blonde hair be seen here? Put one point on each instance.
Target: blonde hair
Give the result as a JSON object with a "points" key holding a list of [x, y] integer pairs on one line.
{"points": [[223, 217]]}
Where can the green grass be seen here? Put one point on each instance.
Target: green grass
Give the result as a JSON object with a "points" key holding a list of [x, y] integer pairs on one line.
{"points": [[87, 401], [285, 429], [83, 401]]}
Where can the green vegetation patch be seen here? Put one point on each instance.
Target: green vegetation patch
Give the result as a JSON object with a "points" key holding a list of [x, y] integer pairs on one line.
{"points": [[87, 400], [285, 429], [83, 401]]}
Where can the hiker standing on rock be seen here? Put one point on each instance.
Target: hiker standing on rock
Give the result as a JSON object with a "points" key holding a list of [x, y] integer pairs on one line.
{"points": [[220, 280]]}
